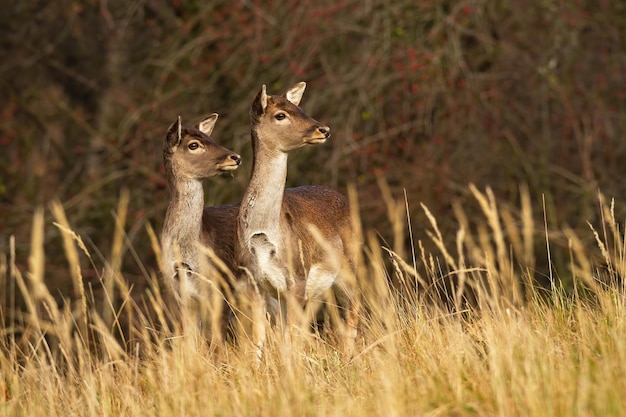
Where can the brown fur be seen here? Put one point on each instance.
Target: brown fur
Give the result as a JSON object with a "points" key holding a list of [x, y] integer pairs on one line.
{"points": [[219, 225]]}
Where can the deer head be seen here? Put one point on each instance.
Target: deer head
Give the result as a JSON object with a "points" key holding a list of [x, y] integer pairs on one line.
{"points": [[192, 154], [282, 124]]}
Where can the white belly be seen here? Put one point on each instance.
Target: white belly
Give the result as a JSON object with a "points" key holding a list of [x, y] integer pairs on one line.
{"points": [[318, 281]]}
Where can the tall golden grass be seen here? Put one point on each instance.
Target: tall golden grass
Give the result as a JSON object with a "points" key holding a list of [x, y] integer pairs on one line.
{"points": [[500, 345]]}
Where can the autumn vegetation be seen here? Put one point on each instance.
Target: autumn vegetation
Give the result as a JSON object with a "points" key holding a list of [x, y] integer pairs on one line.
{"points": [[481, 142]]}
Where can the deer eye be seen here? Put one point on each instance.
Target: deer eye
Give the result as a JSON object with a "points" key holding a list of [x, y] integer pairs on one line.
{"points": [[193, 146], [280, 116]]}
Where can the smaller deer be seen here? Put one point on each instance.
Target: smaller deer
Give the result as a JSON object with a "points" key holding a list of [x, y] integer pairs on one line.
{"points": [[190, 155], [297, 243]]}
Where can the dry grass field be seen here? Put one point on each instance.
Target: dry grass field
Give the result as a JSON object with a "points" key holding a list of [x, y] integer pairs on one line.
{"points": [[501, 298], [503, 346]]}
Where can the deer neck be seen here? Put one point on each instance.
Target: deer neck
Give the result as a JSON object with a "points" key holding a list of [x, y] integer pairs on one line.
{"points": [[262, 201], [183, 220]]}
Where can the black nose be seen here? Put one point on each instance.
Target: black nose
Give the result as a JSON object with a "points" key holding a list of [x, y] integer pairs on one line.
{"points": [[236, 158], [324, 131]]}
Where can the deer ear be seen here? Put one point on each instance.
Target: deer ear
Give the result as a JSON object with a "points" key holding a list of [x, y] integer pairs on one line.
{"points": [[174, 134], [206, 126], [263, 98], [294, 94], [259, 104]]}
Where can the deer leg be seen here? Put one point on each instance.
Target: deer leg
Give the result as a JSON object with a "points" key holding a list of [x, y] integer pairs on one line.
{"points": [[216, 317], [349, 306], [259, 312]]}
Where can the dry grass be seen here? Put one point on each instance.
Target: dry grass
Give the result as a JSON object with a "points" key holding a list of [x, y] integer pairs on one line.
{"points": [[502, 347]]}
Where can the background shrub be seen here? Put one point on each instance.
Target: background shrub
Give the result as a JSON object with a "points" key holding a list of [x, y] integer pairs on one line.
{"points": [[428, 96]]}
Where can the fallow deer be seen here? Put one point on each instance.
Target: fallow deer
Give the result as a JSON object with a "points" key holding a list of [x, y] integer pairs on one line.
{"points": [[190, 155], [299, 243]]}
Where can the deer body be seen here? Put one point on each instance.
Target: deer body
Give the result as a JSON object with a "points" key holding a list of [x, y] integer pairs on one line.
{"points": [[191, 155], [295, 244]]}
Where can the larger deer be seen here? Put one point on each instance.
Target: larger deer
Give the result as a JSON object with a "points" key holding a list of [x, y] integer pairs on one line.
{"points": [[298, 244], [190, 155]]}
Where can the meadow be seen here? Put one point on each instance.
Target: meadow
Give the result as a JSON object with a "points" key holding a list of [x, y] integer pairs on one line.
{"points": [[480, 141], [502, 345]]}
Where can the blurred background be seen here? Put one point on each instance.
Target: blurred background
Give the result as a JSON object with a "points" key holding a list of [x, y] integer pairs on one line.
{"points": [[423, 97]]}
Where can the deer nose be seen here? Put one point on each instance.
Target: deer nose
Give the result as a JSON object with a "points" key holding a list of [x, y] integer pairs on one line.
{"points": [[324, 130], [236, 158]]}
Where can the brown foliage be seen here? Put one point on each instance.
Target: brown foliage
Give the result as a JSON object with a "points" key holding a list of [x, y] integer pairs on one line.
{"points": [[429, 95]]}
